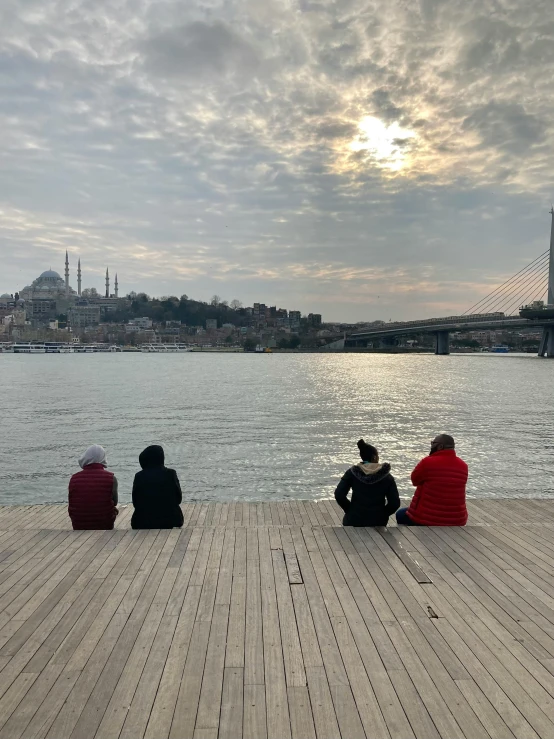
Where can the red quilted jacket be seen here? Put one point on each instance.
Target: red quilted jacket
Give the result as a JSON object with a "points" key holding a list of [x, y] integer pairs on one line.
{"points": [[91, 503], [440, 496]]}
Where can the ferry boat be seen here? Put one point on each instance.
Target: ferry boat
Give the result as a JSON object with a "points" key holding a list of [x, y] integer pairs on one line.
{"points": [[29, 348], [500, 349], [165, 348], [57, 347]]}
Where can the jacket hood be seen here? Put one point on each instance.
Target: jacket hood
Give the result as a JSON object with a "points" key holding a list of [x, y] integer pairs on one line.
{"points": [[370, 472], [152, 456]]}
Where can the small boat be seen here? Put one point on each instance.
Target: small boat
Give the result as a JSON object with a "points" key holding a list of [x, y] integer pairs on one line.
{"points": [[114, 348], [500, 349]]}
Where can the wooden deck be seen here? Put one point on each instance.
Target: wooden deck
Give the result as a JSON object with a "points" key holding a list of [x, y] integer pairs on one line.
{"points": [[270, 620]]}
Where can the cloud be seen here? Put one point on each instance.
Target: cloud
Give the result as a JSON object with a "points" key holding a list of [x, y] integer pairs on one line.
{"points": [[198, 49], [506, 126], [212, 146]]}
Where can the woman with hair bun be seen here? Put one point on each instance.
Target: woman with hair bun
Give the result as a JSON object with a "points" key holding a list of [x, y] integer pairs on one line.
{"points": [[374, 492]]}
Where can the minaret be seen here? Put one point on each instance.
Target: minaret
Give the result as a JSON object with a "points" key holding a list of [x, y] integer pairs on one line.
{"points": [[79, 278], [66, 274], [107, 283], [116, 286]]}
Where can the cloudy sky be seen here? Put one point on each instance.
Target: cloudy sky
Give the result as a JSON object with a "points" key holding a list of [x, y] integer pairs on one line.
{"points": [[364, 158]]}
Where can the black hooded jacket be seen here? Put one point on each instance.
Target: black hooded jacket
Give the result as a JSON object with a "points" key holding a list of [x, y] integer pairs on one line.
{"points": [[374, 495], [156, 493]]}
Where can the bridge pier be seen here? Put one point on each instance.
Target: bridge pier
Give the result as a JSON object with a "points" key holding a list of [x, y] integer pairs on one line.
{"points": [[546, 347], [443, 343]]}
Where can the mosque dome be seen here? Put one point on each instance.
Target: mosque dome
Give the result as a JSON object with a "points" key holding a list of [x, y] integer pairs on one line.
{"points": [[6, 295], [50, 274]]}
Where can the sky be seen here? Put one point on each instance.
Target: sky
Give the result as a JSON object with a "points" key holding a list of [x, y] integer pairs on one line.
{"points": [[363, 159]]}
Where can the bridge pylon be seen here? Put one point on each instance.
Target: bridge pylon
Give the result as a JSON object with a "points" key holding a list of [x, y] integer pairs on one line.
{"points": [[443, 343], [546, 347]]}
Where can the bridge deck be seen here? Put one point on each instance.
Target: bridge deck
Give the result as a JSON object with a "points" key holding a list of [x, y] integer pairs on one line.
{"points": [[271, 620]]}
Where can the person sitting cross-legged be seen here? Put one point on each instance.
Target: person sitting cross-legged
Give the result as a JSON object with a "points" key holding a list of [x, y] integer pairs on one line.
{"points": [[440, 496], [374, 492], [157, 493], [93, 492]]}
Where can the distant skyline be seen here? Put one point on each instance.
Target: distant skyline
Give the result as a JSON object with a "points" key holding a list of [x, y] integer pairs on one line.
{"points": [[364, 160]]}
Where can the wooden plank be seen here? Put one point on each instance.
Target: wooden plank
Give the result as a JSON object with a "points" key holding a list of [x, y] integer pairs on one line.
{"points": [[290, 641], [301, 718], [254, 715], [278, 720], [254, 669], [232, 701]]}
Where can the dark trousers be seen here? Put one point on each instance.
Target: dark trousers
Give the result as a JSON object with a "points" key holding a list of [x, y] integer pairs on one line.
{"points": [[402, 518]]}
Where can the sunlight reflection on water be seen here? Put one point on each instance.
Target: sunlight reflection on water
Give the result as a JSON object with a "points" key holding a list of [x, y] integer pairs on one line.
{"points": [[260, 427]]}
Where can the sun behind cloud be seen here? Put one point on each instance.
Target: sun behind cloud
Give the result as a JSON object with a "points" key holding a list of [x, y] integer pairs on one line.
{"points": [[386, 144]]}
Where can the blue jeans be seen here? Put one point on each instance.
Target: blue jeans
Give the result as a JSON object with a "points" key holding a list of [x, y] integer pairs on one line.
{"points": [[402, 519]]}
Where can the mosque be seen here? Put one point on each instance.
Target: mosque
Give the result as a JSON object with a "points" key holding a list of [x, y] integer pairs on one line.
{"points": [[50, 295]]}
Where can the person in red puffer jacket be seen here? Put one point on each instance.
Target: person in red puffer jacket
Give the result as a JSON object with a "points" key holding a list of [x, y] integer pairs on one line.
{"points": [[440, 496], [93, 492]]}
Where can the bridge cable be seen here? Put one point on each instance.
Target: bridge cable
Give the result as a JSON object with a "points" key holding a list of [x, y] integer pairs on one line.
{"points": [[517, 291], [524, 269], [514, 278], [511, 286], [496, 298], [532, 293]]}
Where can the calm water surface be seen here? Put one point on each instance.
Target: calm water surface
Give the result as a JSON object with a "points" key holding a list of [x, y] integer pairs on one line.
{"points": [[270, 427]]}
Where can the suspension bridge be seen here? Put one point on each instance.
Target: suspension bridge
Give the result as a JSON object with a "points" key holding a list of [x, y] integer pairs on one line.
{"points": [[525, 300]]}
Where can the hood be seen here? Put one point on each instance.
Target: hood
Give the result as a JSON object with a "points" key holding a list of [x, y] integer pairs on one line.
{"points": [[95, 454], [370, 472], [152, 456]]}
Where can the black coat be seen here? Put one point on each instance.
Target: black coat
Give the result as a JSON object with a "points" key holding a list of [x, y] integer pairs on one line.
{"points": [[156, 493], [374, 495]]}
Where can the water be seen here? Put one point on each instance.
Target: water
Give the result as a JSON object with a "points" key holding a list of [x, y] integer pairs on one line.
{"points": [[272, 427]]}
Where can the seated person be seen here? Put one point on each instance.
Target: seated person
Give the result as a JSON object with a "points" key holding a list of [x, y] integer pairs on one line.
{"points": [[374, 493], [93, 492], [440, 496], [156, 493]]}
